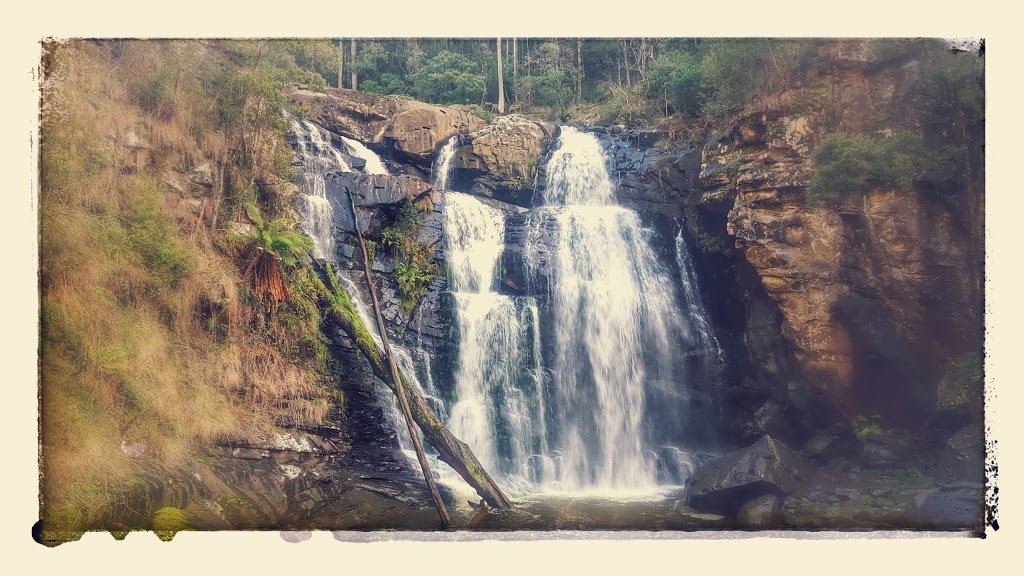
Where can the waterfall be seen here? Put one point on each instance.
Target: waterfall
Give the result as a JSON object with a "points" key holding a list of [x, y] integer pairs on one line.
{"points": [[588, 387], [318, 157], [614, 319], [705, 355], [702, 336], [496, 407], [443, 164], [373, 162]]}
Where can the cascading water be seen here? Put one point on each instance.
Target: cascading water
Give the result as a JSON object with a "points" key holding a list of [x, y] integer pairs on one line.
{"points": [[615, 324], [496, 405], [374, 165], [318, 157], [705, 356], [496, 393]]}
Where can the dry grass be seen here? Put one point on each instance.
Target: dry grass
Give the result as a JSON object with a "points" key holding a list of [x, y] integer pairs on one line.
{"points": [[146, 351]]}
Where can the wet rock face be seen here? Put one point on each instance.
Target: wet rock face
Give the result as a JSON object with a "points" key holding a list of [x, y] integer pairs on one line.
{"points": [[377, 198]]}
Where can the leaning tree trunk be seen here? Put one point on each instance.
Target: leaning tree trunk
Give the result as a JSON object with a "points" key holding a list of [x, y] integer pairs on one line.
{"points": [[451, 450], [400, 385]]}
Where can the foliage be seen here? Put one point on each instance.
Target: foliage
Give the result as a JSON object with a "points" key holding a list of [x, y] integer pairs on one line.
{"points": [[480, 112], [952, 88], [733, 69], [151, 236], [391, 237], [710, 244], [678, 78], [866, 428], [846, 164], [412, 282], [551, 84], [388, 83], [414, 271], [448, 78], [278, 238], [148, 337], [271, 243], [409, 215]]}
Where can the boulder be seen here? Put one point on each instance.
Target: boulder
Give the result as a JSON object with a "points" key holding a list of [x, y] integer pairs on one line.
{"points": [[501, 160], [201, 175], [766, 467], [760, 512], [963, 456], [421, 130], [959, 505], [883, 451]]}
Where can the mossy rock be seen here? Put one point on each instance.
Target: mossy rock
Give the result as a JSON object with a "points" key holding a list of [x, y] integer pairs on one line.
{"points": [[169, 521]]}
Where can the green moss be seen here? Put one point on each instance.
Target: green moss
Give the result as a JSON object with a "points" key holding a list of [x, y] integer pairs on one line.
{"points": [[169, 521], [230, 500], [866, 428]]}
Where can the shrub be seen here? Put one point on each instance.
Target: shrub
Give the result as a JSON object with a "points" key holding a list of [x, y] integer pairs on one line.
{"points": [[866, 428], [169, 521], [847, 164], [388, 83], [480, 112]]}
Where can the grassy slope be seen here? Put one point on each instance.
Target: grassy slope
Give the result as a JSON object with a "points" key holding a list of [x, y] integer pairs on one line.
{"points": [[150, 336]]}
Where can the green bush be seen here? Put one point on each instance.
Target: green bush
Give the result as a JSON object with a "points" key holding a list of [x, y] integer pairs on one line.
{"points": [[409, 215], [846, 164], [480, 112], [169, 521], [678, 77], [388, 83], [866, 428]]}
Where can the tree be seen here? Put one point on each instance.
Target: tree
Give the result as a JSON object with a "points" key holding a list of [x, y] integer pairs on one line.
{"points": [[354, 82], [677, 78], [501, 83], [449, 78], [275, 244], [341, 60]]}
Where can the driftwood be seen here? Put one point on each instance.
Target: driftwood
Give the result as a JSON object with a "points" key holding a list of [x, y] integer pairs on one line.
{"points": [[399, 385], [452, 451]]}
